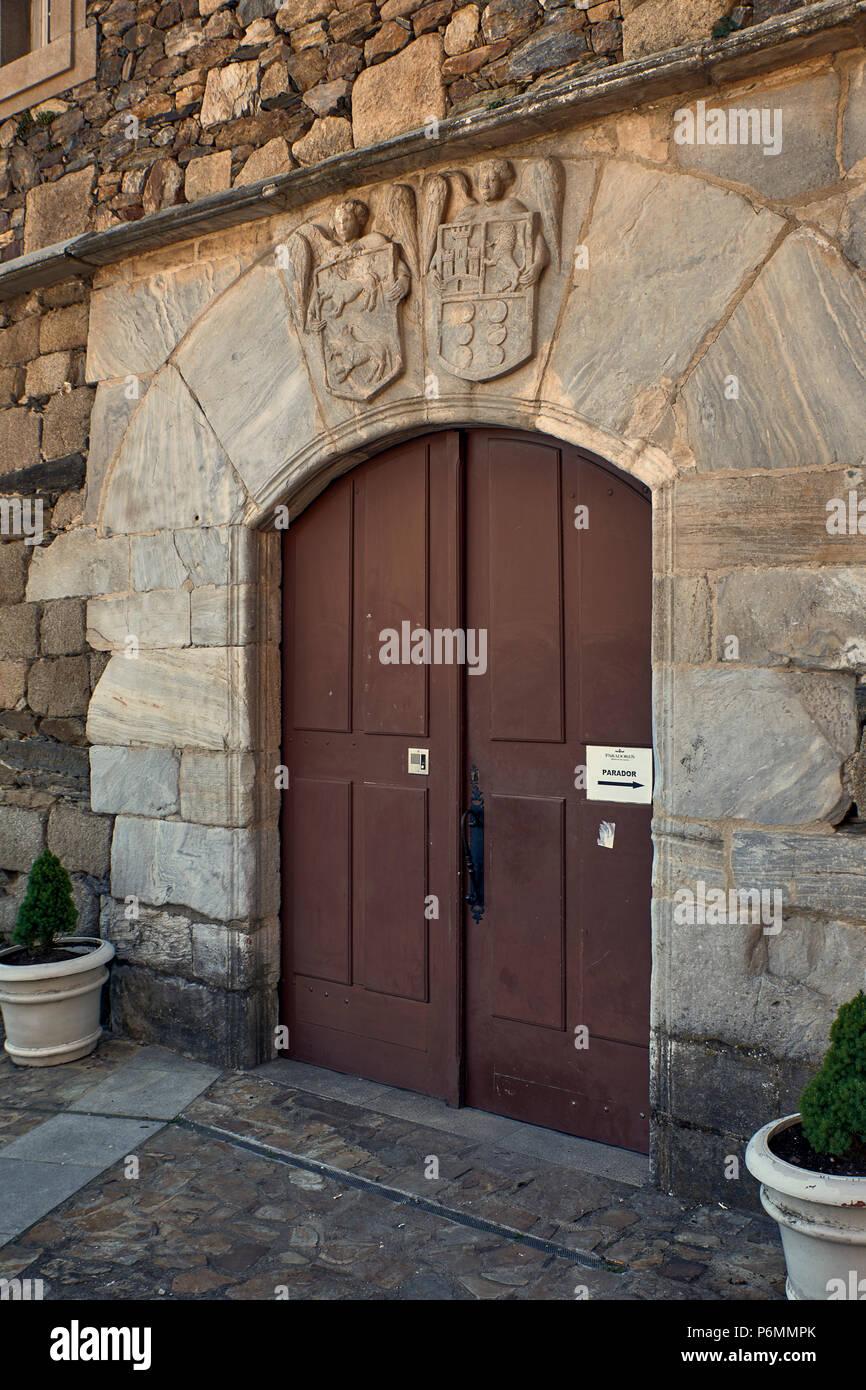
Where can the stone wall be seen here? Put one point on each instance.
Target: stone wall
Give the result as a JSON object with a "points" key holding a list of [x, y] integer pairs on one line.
{"points": [[700, 323], [193, 97], [48, 670]]}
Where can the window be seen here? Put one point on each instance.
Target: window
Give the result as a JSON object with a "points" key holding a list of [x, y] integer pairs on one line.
{"points": [[45, 48]]}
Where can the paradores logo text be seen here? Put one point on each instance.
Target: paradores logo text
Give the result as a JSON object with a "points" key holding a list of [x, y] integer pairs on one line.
{"points": [[77, 1343]]}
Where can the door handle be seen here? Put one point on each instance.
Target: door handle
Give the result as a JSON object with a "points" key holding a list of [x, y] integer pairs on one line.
{"points": [[472, 837]]}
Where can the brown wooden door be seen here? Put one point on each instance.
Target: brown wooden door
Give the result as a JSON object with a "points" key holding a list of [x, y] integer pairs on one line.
{"points": [[370, 982], [472, 531], [564, 940]]}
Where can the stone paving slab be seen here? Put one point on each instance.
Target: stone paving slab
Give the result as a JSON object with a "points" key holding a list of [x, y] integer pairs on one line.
{"points": [[29, 1189], [53, 1088], [260, 1190], [154, 1084], [92, 1140]]}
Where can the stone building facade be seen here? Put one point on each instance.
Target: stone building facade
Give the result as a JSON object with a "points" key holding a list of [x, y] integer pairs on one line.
{"points": [[697, 172]]}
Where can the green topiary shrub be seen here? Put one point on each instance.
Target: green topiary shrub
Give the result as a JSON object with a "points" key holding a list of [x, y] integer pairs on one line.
{"points": [[47, 910], [833, 1105]]}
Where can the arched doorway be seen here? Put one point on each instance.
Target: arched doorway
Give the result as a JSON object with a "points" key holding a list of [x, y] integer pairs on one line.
{"points": [[463, 614]]}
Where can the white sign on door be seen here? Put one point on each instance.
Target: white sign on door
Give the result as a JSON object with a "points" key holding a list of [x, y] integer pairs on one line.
{"points": [[619, 774]]}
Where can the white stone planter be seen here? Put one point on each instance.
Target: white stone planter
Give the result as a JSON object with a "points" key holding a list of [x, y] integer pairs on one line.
{"points": [[822, 1220], [51, 1012]]}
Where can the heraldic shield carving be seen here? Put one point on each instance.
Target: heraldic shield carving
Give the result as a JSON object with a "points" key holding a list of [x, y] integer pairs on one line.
{"points": [[480, 255], [486, 265], [348, 288]]}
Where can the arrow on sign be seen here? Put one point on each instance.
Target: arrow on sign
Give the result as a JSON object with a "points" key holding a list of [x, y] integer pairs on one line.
{"points": [[603, 783]]}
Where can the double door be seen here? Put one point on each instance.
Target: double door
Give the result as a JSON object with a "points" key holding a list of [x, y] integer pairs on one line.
{"points": [[463, 614]]}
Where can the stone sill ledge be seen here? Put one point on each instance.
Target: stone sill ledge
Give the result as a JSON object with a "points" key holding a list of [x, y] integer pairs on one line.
{"points": [[828, 27]]}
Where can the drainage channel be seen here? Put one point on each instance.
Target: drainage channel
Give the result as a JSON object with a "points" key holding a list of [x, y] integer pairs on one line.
{"points": [[584, 1258]]}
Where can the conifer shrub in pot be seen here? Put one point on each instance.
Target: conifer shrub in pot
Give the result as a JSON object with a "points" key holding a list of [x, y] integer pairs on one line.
{"points": [[812, 1170], [50, 980]]}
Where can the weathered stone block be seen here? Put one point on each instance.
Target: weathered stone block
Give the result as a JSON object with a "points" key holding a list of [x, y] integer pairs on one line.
{"points": [[757, 745], [745, 983], [134, 781], [59, 686], [807, 618], [273, 158], [685, 852], [403, 93], [13, 682], [19, 630], [171, 470], [61, 329], [80, 840], [246, 367], [47, 374], [225, 874], [79, 563], [19, 342], [219, 788], [682, 619], [22, 838], [785, 410], [155, 620], [135, 327], [14, 559], [229, 1028], [229, 616], [821, 873], [327, 136], [594, 367], [66, 422], [229, 93], [194, 698], [801, 117], [112, 411], [720, 1088], [208, 174], [561, 42], [62, 629], [660, 24], [160, 941], [59, 210], [854, 121], [20, 433]]}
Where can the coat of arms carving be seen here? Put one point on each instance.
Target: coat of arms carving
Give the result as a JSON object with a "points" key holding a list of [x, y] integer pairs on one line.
{"points": [[485, 263], [348, 286]]}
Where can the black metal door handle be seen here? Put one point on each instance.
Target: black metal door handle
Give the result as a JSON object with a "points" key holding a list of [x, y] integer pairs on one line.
{"points": [[472, 839]]}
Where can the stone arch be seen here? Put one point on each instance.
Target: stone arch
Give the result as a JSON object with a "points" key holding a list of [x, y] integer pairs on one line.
{"points": [[235, 420]]}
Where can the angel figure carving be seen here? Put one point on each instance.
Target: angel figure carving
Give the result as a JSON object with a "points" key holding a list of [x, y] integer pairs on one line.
{"points": [[347, 286], [485, 263]]}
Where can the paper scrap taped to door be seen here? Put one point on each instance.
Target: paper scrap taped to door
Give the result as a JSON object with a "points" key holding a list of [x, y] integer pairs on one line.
{"points": [[619, 774]]}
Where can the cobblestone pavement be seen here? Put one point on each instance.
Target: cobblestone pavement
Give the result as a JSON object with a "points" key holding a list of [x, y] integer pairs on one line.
{"points": [[317, 1199]]}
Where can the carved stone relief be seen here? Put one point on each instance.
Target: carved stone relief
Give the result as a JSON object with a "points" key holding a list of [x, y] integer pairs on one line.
{"points": [[478, 254], [484, 265], [347, 289]]}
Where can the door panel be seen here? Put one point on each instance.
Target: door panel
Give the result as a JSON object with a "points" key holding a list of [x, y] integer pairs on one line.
{"points": [[370, 985], [564, 938], [474, 531]]}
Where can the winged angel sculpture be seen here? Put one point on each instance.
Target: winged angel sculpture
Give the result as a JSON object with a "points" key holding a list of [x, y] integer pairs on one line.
{"points": [[481, 269]]}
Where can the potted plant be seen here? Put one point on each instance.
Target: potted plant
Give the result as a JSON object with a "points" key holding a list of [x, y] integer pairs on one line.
{"points": [[51, 981], [812, 1170]]}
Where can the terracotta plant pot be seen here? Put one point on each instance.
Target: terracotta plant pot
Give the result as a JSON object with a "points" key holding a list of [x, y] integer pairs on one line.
{"points": [[51, 1012], [822, 1220]]}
